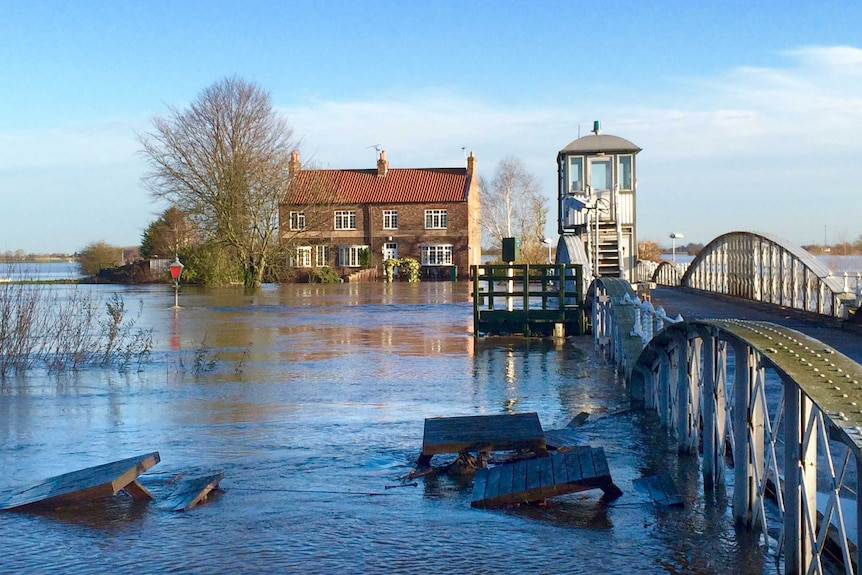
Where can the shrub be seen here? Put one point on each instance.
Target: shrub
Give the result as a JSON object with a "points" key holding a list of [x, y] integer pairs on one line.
{"points": [[62, 330]]}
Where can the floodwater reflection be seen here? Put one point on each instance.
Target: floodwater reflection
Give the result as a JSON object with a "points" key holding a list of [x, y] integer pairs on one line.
{"points": [[311, 399]]}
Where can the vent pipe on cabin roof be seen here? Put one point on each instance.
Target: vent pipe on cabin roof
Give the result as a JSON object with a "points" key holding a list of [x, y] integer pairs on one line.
{"points": [[597, 127]]}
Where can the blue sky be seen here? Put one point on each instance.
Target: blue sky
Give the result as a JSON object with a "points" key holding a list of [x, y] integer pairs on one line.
{"points": [[749, 113]]}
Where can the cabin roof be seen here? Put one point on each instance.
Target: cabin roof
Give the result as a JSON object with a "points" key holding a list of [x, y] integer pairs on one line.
{"points": [[600, 143]]}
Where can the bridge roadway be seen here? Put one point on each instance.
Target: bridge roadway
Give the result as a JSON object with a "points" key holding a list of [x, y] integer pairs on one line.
{"points": [[844, 336]]}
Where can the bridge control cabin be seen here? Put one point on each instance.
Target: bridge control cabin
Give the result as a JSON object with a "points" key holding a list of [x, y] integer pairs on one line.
{"points": [[597, 223]]}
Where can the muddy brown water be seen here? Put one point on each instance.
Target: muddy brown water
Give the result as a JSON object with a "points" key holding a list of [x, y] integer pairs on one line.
{"points": [[311, 400]]}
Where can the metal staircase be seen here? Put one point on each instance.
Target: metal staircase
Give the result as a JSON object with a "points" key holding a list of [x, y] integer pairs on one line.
{"points": [[609, 256]]}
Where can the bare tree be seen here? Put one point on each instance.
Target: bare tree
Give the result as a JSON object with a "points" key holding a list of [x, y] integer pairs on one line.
{"points": [[513, 206], [223, 162]]}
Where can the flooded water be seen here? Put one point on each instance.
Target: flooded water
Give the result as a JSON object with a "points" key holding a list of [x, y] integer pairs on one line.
{"points": [[311, 400]]}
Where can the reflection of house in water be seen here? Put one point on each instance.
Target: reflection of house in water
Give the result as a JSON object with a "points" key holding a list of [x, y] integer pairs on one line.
{"points": [[351, 219]]}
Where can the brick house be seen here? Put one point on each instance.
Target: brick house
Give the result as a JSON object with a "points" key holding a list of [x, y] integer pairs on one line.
{"points": [[360, 218]]}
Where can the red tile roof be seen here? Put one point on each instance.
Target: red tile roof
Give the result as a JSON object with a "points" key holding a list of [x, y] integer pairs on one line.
{"points": [[399, 185]]}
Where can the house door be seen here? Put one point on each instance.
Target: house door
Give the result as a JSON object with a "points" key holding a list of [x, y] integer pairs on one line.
{"points": [[390, 251]]}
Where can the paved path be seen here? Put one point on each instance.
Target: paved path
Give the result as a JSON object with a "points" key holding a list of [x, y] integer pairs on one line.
{"points": [[698, 305]]}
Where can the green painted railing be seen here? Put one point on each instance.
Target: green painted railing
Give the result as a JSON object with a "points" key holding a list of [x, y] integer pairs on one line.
{"points": [[528, 299]]}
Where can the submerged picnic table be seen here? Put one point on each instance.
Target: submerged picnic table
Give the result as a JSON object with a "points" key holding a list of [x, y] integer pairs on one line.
{"points": [[481, 434], [85, 484], [104, 481], [526, 480], [534, 480]]}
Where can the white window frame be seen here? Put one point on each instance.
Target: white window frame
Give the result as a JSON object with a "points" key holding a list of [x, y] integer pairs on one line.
{"points": [[390, 219], [344, 220], [436, 219], [622, 160], [297, 221], [301, 257], [605, 164], [349, 256], [436, 254], [321, 255]]}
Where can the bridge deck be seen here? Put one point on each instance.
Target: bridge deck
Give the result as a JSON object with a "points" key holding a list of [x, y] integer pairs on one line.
{"points": [[692, 304]]}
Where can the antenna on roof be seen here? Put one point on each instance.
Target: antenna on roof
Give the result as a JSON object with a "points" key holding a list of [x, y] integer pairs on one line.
{"points": [[464, 149], [375, 146]]}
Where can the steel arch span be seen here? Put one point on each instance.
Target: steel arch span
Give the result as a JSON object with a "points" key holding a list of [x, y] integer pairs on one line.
{"points": [[766, 268]]}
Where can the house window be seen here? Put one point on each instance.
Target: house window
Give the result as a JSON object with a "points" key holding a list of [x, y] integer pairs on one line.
{"points": [[436, 219], [321, 256], [345, 219], [390, 219], [297, 221], [436, 255], [351, 256], [301, 257]]}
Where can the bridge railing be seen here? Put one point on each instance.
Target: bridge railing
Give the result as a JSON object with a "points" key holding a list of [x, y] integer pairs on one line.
{"points": [[765, 268], [796, 447], [782, 406]]}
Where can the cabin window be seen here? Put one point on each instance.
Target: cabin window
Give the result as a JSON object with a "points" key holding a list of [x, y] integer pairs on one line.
{"points": [[436, 219], [345, 219], [297, 221], [390, 219], [625, 173], [601, 173], [436, 254], [576, 175]]}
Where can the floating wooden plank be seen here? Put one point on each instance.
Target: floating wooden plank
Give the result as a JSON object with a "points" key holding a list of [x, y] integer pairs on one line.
{"points": [[482, 433], [660, 488], [191, 492], [557, 439], [543, 477], [85, 484]]}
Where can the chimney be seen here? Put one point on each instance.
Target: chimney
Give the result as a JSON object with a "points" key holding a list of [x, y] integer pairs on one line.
{"points": [[471, 164], [293, 166], [382, 164]]}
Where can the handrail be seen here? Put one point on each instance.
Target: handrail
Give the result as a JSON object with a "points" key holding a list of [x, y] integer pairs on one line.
{"points": [[766, 268]]}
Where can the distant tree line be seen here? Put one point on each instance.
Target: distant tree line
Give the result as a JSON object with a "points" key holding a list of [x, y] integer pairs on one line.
{"points": [[649, 250]]}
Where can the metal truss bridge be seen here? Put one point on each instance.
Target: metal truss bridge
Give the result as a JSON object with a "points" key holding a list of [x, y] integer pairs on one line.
{"points": [[751, 360]]}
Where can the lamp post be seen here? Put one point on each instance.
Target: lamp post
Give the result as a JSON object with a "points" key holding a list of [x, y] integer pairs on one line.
{"points": [[675, 236], [547, 242], [176, 269]]}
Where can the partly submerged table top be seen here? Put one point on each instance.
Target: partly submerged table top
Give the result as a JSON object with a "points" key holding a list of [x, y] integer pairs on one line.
{"points": [[482, 433], [84, 484]]}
